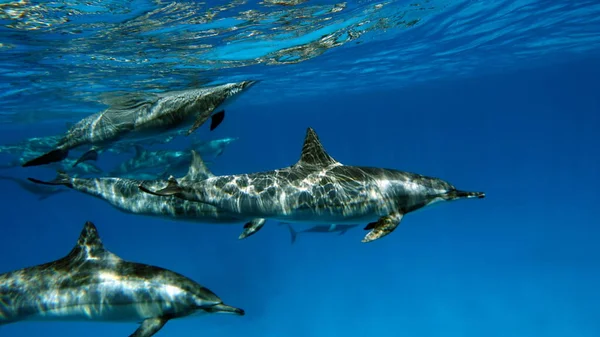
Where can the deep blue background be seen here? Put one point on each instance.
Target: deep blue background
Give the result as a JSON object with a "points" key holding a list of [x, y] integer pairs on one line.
{"points": [[522, 262]]}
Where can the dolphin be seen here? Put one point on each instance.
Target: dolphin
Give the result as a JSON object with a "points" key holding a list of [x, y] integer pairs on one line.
{"points": [[93, 284], [319, 189], [145, 118], [342, 229], [145, 160], [124, 194], [43, 192], [215, 146]]}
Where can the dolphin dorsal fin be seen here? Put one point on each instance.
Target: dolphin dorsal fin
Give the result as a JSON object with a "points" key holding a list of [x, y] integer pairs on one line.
{"points": [[139, 150], [89, 247], [313, 152], [198, 169]]}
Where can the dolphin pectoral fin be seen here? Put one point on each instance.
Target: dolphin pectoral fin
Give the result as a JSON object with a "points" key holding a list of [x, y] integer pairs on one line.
{"points": [[90, 155], [150, 326], [293, 233], [50, 157], [172, 188], [215, 121], [252, 227], [382, 227]]}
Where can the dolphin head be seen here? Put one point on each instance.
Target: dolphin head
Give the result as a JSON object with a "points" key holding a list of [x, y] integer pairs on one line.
{"points": [[208, 302], [233, 89]]}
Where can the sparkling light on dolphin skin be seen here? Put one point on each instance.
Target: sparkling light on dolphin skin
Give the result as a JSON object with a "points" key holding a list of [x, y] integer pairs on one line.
{"points": [[124, 194], [146, 117], [91, 283], [318, 189]]}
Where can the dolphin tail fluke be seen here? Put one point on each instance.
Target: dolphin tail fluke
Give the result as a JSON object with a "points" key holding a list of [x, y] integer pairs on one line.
{"points": [[61, 178], [226, 309], [50, 157], [172, 188], [150, 326], [90, 155], [293, 233], [456, 194]]}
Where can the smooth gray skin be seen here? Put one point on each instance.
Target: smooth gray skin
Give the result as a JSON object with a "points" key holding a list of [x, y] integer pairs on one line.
{"points": [[42, 192], [93, 284], [145, 118], [318, 189]]}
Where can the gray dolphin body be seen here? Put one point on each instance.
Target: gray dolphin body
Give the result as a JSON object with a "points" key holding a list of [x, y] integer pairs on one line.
{"points": [[125, 195], [319, 189], [93, 284], [158, 114]]}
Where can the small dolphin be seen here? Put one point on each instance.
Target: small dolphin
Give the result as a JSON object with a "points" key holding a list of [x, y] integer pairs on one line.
{"points": [[319, 189], [43, 192], [156, 114], [124, 194], [333, 228], [145, 160], [215, 147], [93, 284]]}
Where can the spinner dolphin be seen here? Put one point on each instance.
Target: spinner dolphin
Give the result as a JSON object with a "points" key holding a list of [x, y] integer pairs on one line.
{"points": [[93, 284], [143, 118], [318, 189]]}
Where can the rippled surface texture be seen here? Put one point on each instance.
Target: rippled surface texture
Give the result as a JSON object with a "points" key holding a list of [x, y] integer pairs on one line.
{"points": [[59, 58]]}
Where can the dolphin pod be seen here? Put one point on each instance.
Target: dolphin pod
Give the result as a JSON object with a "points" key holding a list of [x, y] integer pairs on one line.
{"points": [[94, 284]]}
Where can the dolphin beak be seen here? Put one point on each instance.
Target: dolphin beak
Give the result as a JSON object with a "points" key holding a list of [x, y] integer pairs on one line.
{"points": [[457, 194], [248, 84], [225, 309]]}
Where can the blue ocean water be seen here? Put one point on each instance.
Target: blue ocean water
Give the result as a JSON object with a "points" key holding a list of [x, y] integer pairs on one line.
{"points": [[497, 96]]}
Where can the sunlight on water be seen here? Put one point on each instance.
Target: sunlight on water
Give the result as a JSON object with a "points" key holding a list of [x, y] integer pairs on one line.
{"points": [[70, 52]]}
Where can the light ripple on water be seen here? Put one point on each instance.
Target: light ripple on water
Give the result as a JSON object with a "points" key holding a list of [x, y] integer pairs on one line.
{"points": [[64, 54]]}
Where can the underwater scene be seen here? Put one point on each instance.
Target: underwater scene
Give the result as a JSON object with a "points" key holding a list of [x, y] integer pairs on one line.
{"points": [[299, 168]]}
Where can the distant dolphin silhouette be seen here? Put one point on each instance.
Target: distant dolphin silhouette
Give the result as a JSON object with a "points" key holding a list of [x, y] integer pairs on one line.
{"points": [[333, 228]]}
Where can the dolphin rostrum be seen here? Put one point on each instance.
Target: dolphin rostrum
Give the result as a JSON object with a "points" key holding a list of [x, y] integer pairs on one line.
{"points": [[124, 194], [319, 189], [147, 117], [93, 284]]}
